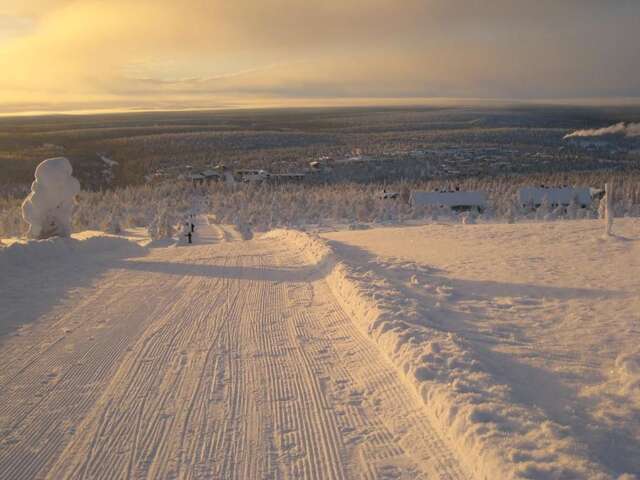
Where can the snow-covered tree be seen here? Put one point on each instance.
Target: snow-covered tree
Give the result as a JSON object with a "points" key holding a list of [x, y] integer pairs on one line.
{"points": [[49, 206], [113, 223], [162, 226]]}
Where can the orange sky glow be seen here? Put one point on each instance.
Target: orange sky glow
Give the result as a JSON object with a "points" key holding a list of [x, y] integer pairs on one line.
{"points": [[66, 55]]}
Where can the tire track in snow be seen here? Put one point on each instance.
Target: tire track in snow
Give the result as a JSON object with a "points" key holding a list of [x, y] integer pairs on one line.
{"points": [[132, 435], [217, 361], [43, 400]]}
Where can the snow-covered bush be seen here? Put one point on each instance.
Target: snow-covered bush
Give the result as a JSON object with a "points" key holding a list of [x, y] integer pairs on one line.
{"points": [[49, 206], [163, 225], [113, 223]]}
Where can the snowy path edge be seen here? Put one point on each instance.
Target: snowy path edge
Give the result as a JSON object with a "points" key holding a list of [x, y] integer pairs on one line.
{"points": [[493, 435]]}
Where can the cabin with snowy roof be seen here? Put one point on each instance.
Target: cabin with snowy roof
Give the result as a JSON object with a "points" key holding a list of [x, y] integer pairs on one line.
{"points": [[211, 176], [457, 201], [533, 197]]}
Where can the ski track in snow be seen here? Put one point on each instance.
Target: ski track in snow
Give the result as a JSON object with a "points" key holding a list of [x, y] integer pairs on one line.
{"points": [[224, 359]]}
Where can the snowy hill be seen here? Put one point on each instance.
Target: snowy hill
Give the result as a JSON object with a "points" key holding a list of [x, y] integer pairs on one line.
{"points": [[548, 311], [440, 351]]}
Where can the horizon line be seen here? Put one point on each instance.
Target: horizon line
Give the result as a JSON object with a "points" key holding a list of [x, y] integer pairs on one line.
{"points": [[294, 104]]}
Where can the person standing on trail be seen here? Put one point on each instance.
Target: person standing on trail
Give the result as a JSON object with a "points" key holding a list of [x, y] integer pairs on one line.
{"points": [[187, 230]]}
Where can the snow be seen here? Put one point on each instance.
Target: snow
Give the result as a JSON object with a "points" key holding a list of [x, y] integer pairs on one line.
{"points": [[214, 360], [450, 199], [522, 338], [554, 195], [488, 351], [49, 206], [32, 255]]}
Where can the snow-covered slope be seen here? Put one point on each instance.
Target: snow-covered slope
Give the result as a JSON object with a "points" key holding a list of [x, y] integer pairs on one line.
{"points": [[522, 339], [223, 359], [442, 351]]}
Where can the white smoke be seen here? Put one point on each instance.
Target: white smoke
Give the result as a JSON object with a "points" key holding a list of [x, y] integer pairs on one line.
{"points": [[48, 207], [628, 130]]}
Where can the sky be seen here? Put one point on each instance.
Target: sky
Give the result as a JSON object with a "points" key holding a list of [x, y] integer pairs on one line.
{"points": [[60, 55]]}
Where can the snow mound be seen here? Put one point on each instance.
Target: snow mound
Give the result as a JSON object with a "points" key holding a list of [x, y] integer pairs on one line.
{"points": [[36, 253], [499, 437], [48, 207]]}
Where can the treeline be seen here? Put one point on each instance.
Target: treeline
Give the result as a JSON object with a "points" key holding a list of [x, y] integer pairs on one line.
{"points": [[262, 207]]}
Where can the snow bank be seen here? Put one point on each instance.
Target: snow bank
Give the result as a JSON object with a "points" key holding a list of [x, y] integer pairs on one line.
{"points": [[35, 254], [48, 207], [498, 437]]}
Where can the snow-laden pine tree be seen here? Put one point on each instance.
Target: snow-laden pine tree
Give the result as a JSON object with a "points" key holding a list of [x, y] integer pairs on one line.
{"points": [[48, 208], [163, 225], [113, 222]]}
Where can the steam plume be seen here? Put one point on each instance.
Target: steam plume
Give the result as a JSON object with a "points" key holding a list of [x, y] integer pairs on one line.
{"points": [[628, 130]]}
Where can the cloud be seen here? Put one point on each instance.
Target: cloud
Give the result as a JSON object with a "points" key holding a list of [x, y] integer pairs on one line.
{"points": [[627, 130], [192, 51]]}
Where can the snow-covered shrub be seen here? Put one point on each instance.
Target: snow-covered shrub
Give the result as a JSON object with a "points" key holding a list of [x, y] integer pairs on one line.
{"points": [[113, 223], [11, 221], [49, 206], [163, 225], [468, 218]]}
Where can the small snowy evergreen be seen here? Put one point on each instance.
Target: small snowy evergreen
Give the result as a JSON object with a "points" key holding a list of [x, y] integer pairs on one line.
{"points": [[49, 206]]}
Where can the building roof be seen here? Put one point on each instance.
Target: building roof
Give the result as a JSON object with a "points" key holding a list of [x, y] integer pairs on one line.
{"points": [[450, 199], [554, 195]]}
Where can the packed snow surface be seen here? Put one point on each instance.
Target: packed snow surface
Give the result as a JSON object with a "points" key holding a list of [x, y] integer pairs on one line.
{"points": [[48, 207], [222, 359], [443, 351]]}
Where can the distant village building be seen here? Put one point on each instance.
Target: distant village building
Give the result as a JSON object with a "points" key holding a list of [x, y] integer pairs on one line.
{"points": [[458, 201], [384, 195], [205, 177], [589, 143], [196, 178], [286, 177], [211, 176], [252, 176], [533, 197]]}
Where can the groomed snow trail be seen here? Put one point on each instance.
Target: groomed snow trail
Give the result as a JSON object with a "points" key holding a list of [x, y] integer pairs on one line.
{"points": [[216, 360]]}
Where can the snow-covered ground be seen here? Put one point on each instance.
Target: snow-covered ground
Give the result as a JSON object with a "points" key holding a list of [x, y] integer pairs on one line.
{"points": [[549, 310], [441, 351], [222, 359]]}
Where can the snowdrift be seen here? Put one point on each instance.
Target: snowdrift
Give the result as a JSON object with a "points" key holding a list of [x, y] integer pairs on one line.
{"points": [[37, 253], [498, 436]]}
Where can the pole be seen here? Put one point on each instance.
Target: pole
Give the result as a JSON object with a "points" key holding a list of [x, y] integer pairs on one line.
{"points": [[608, 212]]}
